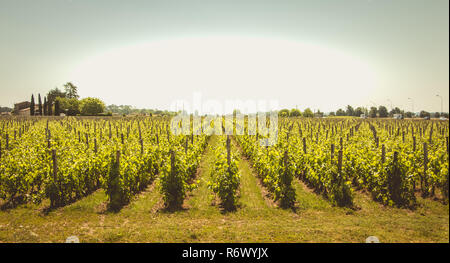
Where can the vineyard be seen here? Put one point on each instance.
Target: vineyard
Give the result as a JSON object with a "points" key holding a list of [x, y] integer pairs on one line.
{"points": [[322, 176]]}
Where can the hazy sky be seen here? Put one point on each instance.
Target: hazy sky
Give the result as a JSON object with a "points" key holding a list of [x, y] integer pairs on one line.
{"points": [[318, 54]]}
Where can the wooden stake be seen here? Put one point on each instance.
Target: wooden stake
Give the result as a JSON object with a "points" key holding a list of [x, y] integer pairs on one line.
{"points": [[228, 151], [118, 158], [425, 159], [304, 145], [55, 165], [332, 152]]}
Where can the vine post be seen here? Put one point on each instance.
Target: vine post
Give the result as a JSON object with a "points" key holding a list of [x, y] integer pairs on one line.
{"points": [[95, 145], [304, 145], [340, 162], [332, 152], [228, 152]]}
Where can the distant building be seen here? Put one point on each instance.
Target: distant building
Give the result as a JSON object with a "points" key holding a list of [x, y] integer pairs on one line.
{"points": [[23, 112], [21, 105], [23, 108], [398, 116]]}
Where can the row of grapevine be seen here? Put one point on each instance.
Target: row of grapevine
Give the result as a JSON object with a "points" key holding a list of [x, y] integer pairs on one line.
{"points": [[64, 160], [225, 175], [273, 166], [178, 176]]}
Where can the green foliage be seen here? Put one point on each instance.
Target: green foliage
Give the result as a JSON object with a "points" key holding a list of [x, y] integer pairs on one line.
{"points": [[69, 106], [283, 113], [45, 107], [424, 114], [270, 165], [359, 111], [71, 91], [57, 108], [91, 106], [373, 112], [177, 175], [308, 113], [40, 112], [340, 112], [55, 93], [225, 178], [350, 111], [382, 112], [173, 184], [114, 188], [295, 113]]}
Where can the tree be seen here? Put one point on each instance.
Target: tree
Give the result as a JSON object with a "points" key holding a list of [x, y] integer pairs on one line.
{"points": [[359, 111], [113, 108], [49, 110], [424, 114], [92, 106], [409, 114], [71, 91], [295, 113], [55, 93], [373, 112], [340, 112], [319, 113], [125, 109], [437, 115], [308, 113], [32, 105], [5, 109], [71, 107], [283, 113], [57, 109], [382, 112], [39, 105], [45, 107], [395, 110], [332, 113], [350, 111]]}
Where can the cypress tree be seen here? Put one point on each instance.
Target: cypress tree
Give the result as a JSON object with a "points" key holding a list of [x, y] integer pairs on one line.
{"points": [[49, 110], [40, 105], [32, 105], [57, 111], [45, 107]]}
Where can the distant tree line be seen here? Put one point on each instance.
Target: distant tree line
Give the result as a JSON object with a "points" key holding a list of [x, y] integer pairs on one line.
{"points": [[373, 112], [128, 109], [5, 109], [297, 113]]}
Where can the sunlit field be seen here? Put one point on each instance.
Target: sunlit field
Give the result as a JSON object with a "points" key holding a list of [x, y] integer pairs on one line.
{"points": [[133, 180]]}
